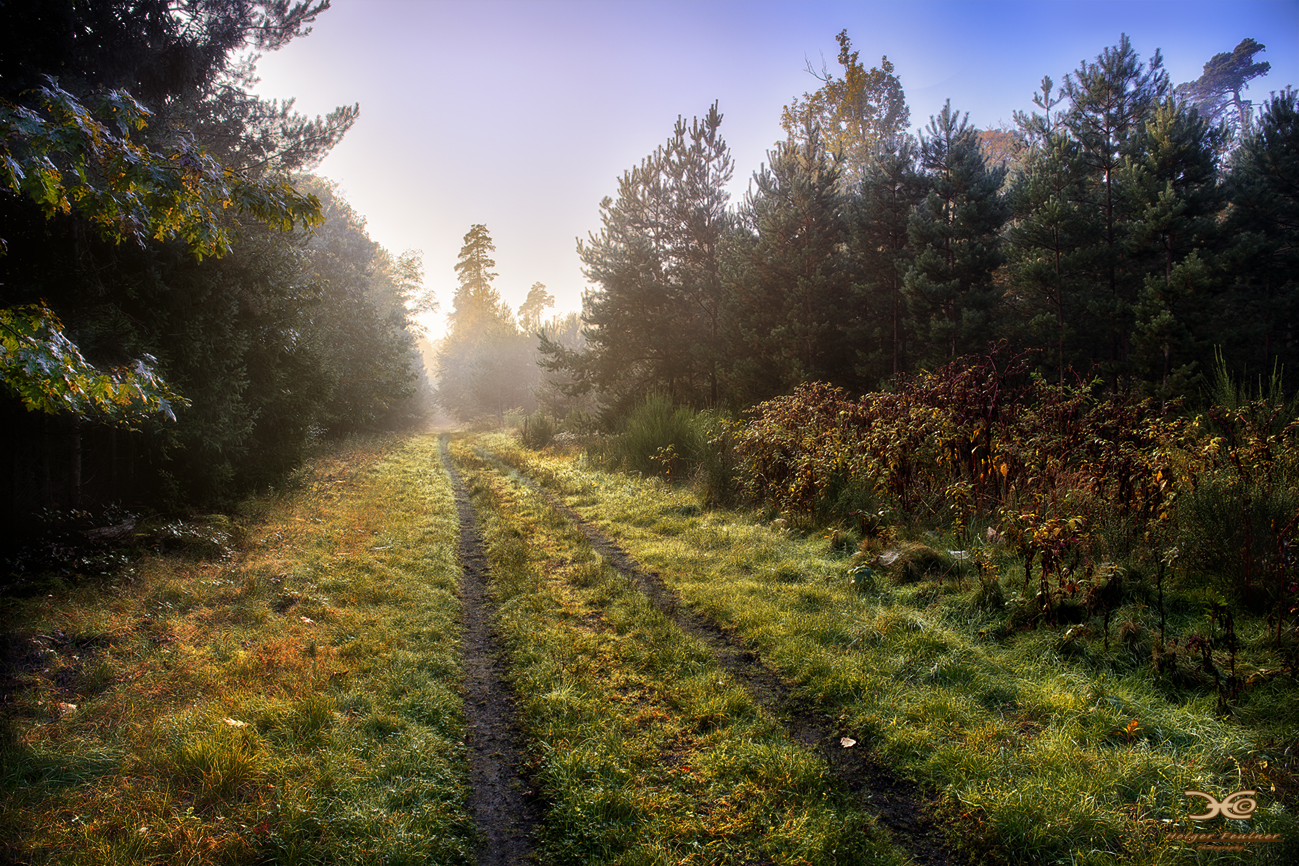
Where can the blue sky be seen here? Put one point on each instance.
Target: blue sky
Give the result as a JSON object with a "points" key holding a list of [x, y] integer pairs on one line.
{"points": [[522, 114]]}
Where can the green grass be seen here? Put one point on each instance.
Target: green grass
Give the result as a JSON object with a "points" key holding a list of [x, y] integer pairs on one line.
{"points": [[292, 693], [1026, 733], [296, 702], [645, 750]]}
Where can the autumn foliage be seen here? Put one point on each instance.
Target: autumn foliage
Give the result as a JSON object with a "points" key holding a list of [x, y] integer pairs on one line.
{"points": [[1065, 475]]}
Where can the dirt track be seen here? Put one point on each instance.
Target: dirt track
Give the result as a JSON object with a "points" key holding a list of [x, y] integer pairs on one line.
{"points": [[500, 798], [897, 802]]}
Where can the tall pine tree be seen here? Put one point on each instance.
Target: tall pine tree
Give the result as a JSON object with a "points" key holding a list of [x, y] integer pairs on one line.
{"points": [[654, 314], [788, 273], [1110, 101], [881, 248], [955, 233]]}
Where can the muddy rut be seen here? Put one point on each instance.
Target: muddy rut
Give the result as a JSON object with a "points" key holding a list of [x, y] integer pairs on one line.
{"points": [[898, 803], [500, 799]]}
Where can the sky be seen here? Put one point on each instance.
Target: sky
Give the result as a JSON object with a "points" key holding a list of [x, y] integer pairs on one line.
{"points": [[523, 114]]}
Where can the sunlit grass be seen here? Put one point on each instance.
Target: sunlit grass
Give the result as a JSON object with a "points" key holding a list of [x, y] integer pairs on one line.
{"points": [[645, 750], [1027, 736], [295, 701]]}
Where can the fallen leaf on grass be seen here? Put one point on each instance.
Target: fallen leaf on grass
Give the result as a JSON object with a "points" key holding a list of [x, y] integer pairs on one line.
{"points": [[847, 742], [235, 723]]}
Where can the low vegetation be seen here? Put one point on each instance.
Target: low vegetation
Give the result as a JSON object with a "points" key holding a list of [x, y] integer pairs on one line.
{"points": [[645, 750], [289, 697], [1073, 737]]}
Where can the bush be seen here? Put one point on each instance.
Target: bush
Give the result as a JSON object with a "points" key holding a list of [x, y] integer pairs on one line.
{"points": [[537, 431], [660, 440], [1233, 529], [717, 474]]}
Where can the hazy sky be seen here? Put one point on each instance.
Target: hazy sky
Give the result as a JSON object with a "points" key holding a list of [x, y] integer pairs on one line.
{"points": [[523, 114]]}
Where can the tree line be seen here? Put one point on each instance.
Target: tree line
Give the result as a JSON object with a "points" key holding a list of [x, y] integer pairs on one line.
{"points": [[1124, 228], [185, 308]]}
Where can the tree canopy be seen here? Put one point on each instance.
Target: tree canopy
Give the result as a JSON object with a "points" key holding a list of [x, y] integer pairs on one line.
{"points": [[162, 259]]}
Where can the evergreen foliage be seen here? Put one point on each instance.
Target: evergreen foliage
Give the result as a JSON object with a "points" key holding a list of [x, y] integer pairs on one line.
{"points": [[1216, 94], [485, 366], [955, 236], [1106, 231], [654, 318], [890, 191], [788, 280]]}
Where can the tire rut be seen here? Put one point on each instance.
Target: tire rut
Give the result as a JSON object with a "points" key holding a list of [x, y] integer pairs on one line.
{"points": [[500, 797], [897, 802]]}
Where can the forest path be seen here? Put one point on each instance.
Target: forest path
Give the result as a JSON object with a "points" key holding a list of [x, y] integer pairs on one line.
{"points": [[499, 795], [898, 804]]}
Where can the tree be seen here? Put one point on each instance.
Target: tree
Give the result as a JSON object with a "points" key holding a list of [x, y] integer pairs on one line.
{"points": [[363, 318], [85, 148], [654, 315], [1109, 103], [484, 364], [1175, 199], [855, 114], [559, 392], [955, 235], [890, 191], [1002, 147], [789, 283], [1047, 236], [530, 310], [150, 245], [476, 304], [1259, 311], [1216, 94]]}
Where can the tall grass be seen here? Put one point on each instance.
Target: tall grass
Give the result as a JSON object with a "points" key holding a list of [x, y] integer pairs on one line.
{"points": [[659, 439]]}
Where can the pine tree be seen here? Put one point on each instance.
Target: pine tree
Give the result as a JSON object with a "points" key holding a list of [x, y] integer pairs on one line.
{"points": [[788, 275], [476, 305], [879, 214], [955, 236], [485, 363], [1259, 311], [1110, 101], [537, 301], [1046, 240], [654, 316], [1174, 199], [1217, 93]]}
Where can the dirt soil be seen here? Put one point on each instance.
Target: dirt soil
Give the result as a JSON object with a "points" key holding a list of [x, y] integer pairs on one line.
{"points": [[501, 799], [899, 803]]}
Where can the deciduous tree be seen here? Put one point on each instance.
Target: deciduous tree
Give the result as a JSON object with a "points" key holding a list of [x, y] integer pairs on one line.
{"points": [[855, 113]]}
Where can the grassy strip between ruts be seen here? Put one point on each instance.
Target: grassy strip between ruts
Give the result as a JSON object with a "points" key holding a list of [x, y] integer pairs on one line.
{"points": [[294, 701], [645, 750], [1032, 747]]}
